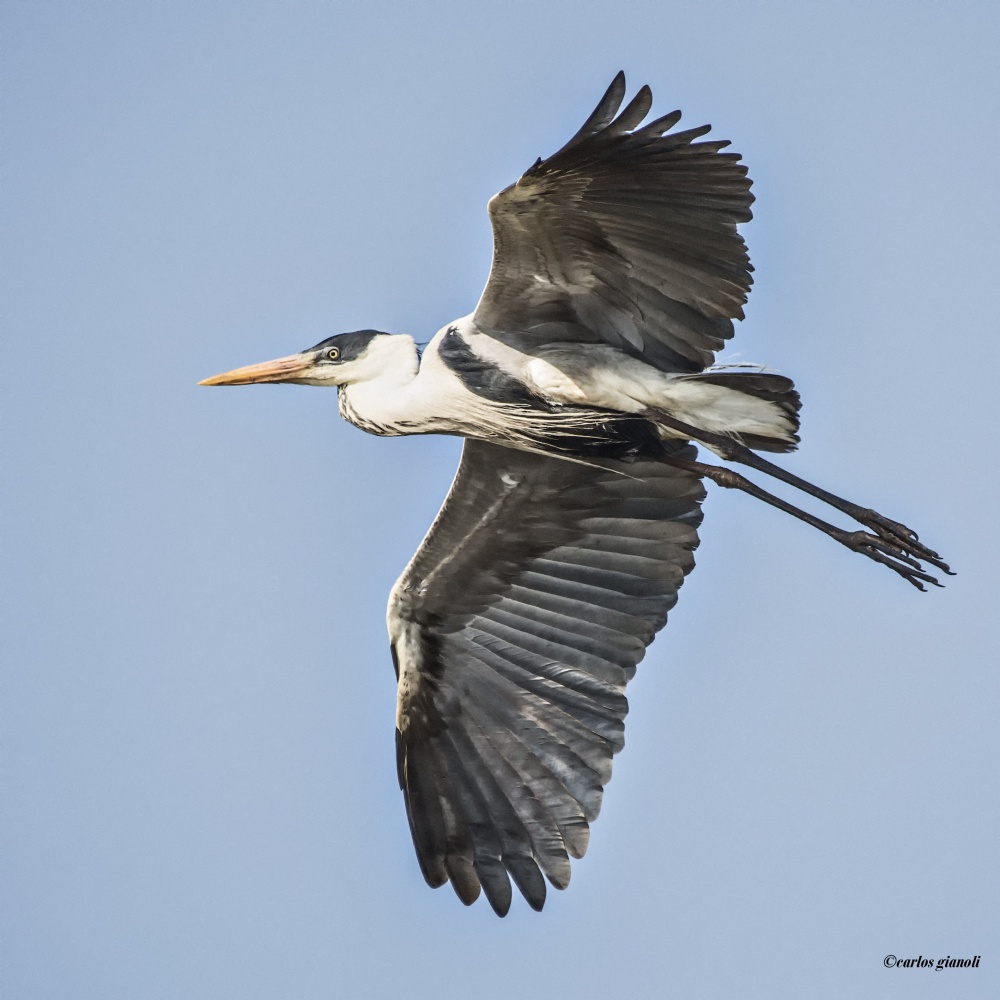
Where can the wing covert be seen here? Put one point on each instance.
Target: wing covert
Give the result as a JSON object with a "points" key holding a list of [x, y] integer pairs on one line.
{"points": [[627, 236], [515, 629]]}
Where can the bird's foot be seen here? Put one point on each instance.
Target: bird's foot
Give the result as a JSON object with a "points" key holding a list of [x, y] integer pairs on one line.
{"points": [[898, 540], [899, 554]]}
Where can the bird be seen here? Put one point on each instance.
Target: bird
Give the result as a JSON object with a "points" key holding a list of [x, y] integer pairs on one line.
{"points": [[582, 383]]}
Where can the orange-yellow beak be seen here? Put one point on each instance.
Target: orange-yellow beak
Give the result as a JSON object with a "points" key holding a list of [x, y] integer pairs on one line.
{"points": [[295, 366]]}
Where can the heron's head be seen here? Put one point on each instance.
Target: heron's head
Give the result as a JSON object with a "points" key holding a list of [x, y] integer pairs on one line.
{"points": [[340, 360]]}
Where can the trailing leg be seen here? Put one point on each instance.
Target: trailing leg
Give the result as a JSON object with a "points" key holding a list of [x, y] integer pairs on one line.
{"points": [[882, 550], [898, 536]]}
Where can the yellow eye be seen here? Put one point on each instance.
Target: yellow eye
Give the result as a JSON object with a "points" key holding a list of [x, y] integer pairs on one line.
{"points": [[333, 353]]}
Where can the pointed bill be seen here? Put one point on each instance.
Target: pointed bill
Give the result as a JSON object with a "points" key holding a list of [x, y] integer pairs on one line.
{"points": [[280, 370]]}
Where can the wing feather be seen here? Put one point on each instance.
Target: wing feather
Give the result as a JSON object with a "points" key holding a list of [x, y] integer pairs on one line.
{"points": [[515, 628], [628, 235], [603, 114]]}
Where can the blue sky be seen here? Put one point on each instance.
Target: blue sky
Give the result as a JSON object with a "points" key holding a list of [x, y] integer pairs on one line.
{"points": [[199, 789]]}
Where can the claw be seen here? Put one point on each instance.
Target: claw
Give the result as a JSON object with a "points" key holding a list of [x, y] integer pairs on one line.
{"points": [[889, 552], [901, 536]]}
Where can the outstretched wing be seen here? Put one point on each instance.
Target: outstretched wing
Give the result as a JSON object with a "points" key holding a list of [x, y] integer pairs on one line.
{"points": [[626, 235], [515, 629]]}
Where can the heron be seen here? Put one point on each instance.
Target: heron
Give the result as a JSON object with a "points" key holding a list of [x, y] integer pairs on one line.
{"points": [[582, 383]]}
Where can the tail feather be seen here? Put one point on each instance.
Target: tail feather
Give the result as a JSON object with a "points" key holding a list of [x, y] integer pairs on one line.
{"points": [[778, 389], [758, 409], [774, 388]]}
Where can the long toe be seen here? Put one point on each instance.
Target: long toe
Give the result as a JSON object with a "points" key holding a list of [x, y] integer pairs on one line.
{"points": [[897, 534], [888, 552]]}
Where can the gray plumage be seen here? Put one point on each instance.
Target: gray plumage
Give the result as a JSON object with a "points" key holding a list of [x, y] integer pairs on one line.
{"points": [[623, 237], [534, 600], [520, 620]]}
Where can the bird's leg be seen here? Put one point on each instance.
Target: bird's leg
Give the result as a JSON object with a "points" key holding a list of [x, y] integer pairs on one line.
{"points": [[886, 529], [885, 551], [892, 533]]}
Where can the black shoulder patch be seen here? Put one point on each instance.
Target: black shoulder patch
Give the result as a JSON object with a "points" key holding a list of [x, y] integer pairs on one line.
{"points": [[350, 345], [617, 435], [482, 377]]}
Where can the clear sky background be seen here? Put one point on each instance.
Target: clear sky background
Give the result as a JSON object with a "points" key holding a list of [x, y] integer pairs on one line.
{"points": [[197, 701]]}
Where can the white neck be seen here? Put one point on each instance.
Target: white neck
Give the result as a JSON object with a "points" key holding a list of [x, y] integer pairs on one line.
{"points": [[394, 393], [375, 398]]}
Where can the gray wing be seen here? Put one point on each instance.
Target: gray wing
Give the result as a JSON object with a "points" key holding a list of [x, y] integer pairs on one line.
{"points": [[625, 236], [515, 629]]}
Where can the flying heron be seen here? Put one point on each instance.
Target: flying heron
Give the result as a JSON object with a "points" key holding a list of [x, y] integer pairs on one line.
{"points": [[581, 383]]}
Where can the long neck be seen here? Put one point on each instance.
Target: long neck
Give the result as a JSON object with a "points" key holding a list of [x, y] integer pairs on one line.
{"points": [[404, 393], [384, 398]]}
